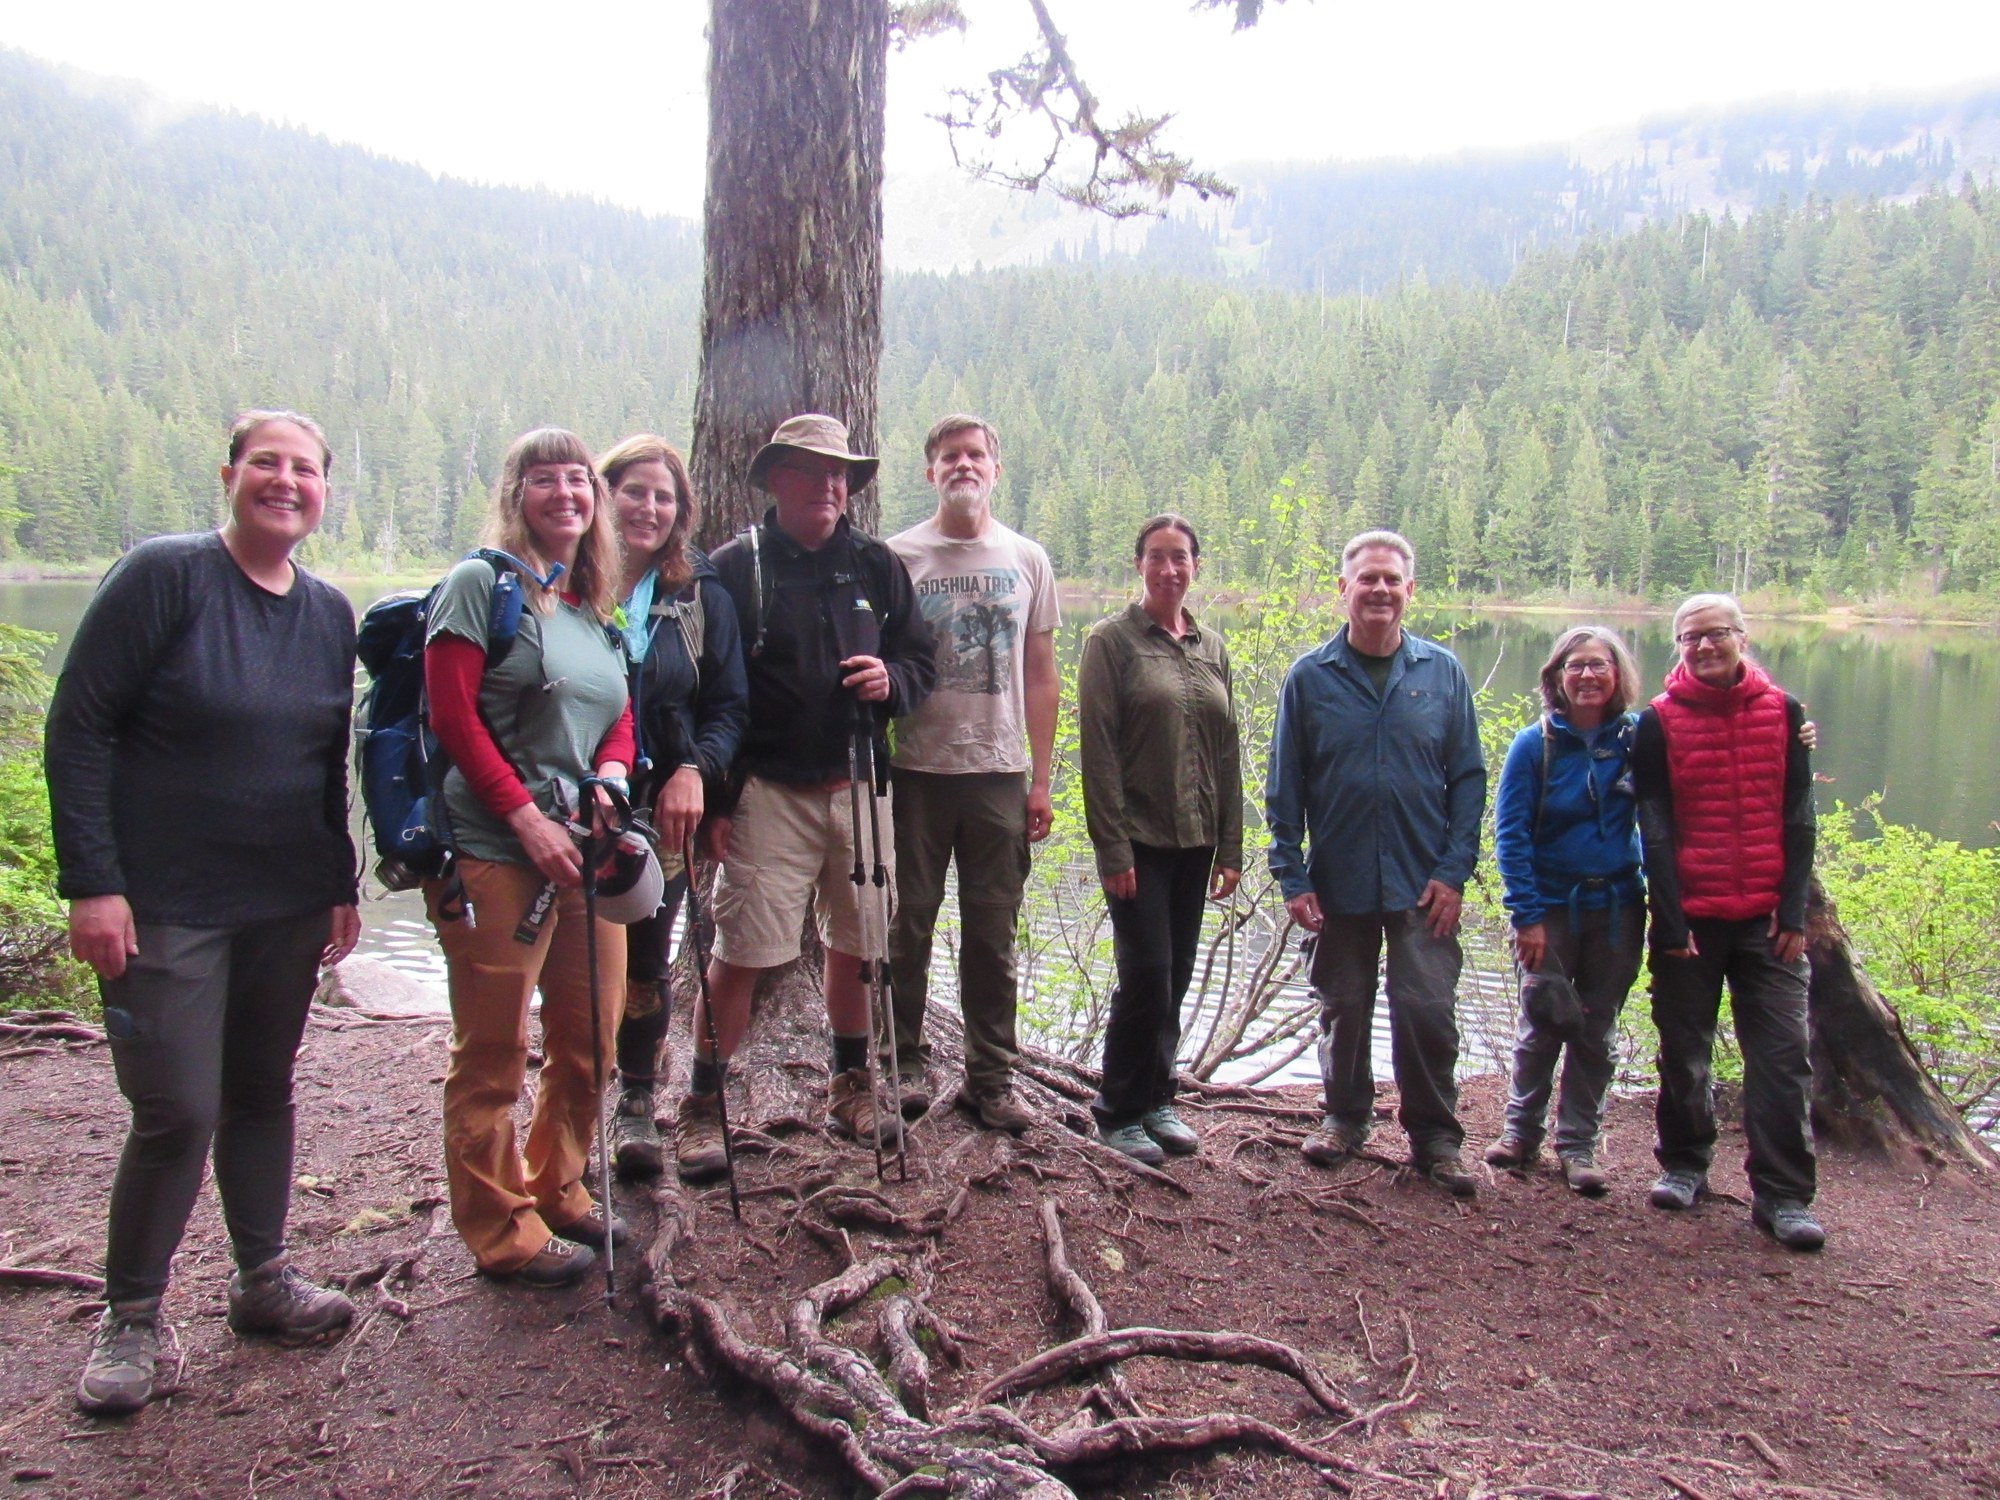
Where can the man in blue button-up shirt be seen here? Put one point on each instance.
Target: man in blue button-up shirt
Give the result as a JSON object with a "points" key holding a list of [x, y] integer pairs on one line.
{"points": [[1374, 796]]}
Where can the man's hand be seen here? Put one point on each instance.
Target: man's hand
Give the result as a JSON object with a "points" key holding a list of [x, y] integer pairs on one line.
{"points": [[1786, 947], [343, 932], [1305, 911], [102, 933], [1222, 883], [1124, 886], [1442, 902], [677, 810], [548, 846], [866, 678], [1530, 944], [1041, 814]]}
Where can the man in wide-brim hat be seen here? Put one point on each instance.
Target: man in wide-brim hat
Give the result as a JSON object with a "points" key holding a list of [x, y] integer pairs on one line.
{"points": [[835, 646]]}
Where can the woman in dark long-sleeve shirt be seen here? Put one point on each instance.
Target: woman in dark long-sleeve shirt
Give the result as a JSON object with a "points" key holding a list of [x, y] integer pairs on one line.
{"points": [[197, 769]]}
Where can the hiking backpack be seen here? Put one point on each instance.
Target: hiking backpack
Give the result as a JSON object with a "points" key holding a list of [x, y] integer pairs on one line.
{"points": [[398, 759]]}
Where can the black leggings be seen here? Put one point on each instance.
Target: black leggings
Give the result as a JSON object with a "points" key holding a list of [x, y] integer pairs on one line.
{"points": [[648, 945], [1154, 938], [204, 1026]]}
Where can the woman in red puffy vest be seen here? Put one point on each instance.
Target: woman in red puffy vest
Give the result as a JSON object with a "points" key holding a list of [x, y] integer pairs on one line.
{"points": [[1724, 782]]}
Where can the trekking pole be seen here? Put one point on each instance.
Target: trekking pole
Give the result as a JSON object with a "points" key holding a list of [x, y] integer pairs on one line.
{"points": [[708, 1012], [882, 988], [593, 853], [860, 878]]}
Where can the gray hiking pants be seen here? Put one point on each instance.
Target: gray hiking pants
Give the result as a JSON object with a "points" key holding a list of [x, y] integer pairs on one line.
{"points": [[1599, 951], [204, 1026]]}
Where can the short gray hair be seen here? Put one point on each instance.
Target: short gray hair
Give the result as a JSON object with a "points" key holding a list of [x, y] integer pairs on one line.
{"points": [[1696, 602], [1393, 541]]}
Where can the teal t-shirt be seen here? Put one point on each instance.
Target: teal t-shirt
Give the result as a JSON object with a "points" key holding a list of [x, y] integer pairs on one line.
{"points": [[549, 703]]}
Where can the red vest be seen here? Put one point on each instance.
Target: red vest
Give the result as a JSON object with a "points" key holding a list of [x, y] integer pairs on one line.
{"points": [[1726, 750]]}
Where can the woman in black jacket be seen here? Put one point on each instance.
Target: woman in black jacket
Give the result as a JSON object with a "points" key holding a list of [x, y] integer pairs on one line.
{"points": [[689, 708]]}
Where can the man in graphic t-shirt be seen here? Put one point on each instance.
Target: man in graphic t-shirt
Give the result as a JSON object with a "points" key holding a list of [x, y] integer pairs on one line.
{"points": [[972, 764]]}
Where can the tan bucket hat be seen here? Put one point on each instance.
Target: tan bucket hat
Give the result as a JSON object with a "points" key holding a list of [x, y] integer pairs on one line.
{"points": [[813, 432]]}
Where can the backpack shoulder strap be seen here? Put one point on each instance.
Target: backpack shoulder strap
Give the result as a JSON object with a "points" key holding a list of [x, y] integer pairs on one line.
{"points": [[1542, 791]]}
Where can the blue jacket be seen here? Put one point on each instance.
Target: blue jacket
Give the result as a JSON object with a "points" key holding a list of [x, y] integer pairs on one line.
{"points": [[1587, 851], [1387, 791]]}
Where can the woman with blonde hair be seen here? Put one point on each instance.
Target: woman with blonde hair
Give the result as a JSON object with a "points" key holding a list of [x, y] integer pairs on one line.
{"points": [[689, 705], [523, 733]]}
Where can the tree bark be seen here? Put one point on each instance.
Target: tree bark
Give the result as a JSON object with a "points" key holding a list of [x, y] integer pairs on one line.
{"points": [[792, 282], [1869, 1088]]}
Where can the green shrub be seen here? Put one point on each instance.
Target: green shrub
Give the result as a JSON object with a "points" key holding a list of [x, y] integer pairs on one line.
{"points": [[35, 968]]}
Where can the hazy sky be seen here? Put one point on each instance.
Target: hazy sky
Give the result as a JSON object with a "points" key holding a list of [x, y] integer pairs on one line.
{"points": [[606, 96]]}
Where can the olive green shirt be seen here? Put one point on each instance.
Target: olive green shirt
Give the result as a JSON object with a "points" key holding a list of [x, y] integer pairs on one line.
{"points": [[1161, 753]]}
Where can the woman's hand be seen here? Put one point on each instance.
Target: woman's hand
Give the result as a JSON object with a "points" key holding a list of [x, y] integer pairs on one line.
{"points": [[1222, 883], [343, 932], [548, 845], [677, 810], [1124, 886], [102, 933], [1530, 944], [1787, 947], [1809, 735]]}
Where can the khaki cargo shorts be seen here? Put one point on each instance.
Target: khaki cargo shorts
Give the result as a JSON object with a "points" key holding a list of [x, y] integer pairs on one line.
{"points": [[790, 846]]}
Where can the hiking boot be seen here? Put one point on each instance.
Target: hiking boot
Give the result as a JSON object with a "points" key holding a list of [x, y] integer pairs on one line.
{"points": [[853, 1108], [1787, 1221], [590, 1229], [1131, 1140], [1333, 1143], [1174, 1134], [635, 1139], [1511, 1153], [558, 1263], [1447, 1172], [699, 1153], [1677, 1188], [1582, 1173], [118, 1375], [914, 1092], [275, 1299], [999, 1110]]}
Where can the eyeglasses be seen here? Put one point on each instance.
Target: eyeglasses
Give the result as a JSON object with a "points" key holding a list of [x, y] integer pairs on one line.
{"points": [[1715, 637], [1590, 666]]}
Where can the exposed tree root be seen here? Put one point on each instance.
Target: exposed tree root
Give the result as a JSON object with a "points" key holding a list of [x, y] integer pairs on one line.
{"points": [[881, 1423]]}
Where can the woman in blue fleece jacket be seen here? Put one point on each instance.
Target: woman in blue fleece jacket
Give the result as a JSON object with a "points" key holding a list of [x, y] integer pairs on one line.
{"points": [[1567, 843]]}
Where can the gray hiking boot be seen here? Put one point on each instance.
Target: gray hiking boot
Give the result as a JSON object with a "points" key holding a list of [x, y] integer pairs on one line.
{"points": [[118, 1375], [699, 1153], [276, 1300], [635, 1139], [1677, 1188], [1333, 1143], [1787, 1221], [1584, 1175], [1448, 1172], [999, 1111], [1131, 1140], [1174, 1134]]}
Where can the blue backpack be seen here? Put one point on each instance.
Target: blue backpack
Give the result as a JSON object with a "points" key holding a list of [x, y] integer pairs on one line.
{"points": [[399, 760]]}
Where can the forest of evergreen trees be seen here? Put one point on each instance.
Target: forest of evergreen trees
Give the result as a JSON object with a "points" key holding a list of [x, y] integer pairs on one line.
{"points": [[1808, 399]]}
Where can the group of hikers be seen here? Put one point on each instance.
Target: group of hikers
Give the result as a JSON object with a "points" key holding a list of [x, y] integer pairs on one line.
{"points": [[197, 754]]}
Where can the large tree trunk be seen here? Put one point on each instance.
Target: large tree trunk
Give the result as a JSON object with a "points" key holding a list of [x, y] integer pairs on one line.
{"points": [[791, 315], [1869, 1088]]}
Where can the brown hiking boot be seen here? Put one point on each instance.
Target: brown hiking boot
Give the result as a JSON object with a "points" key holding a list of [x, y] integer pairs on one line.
{"points": [[1584, 1175], [999, 1111], [853, 1109], [1448, 1172], [558, 1263], [635, 1139], [698, 1150], [1333, 1143], [1511, 1152], [914, 1092]]}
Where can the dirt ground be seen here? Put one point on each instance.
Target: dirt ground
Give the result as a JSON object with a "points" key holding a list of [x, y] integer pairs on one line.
{"points": [[1561, 1347]]}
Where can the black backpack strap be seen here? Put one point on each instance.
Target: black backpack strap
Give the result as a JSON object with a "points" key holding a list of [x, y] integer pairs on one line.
{"points": [[1542, 792]]}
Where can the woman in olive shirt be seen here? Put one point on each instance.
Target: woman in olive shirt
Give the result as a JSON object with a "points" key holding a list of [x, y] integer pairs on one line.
{"points": [[1162, 795]]}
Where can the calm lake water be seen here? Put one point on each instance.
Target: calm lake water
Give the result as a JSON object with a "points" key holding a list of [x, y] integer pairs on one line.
{"points": [[1906, 711]]}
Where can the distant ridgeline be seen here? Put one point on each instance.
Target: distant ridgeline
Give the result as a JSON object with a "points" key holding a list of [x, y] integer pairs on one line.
{"points": [[1801, 396]]}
